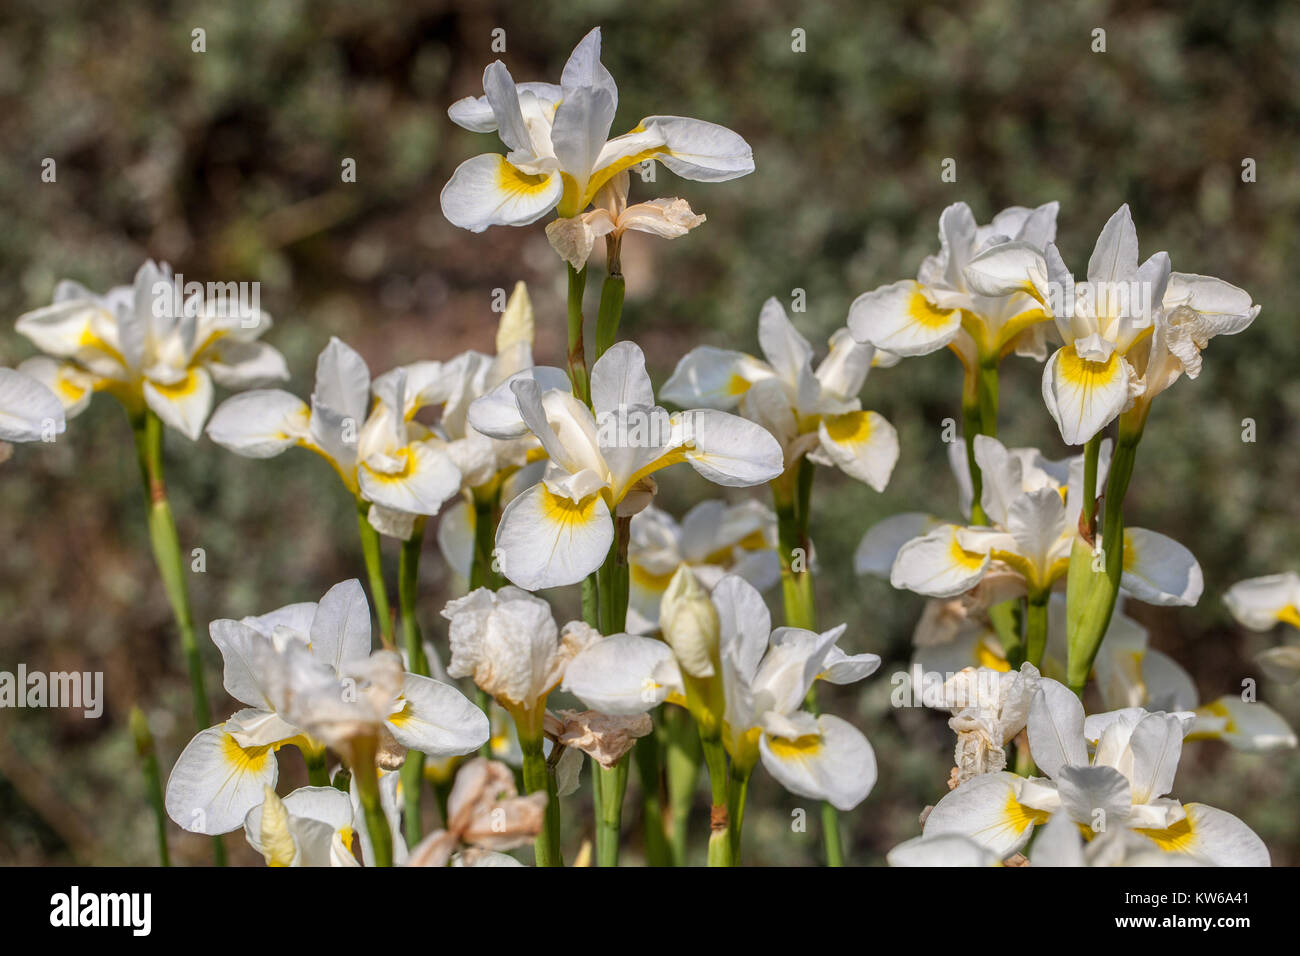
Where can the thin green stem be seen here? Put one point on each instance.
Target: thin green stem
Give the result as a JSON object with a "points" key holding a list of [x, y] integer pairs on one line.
{"points": [[1036, 626], [538, 778], [408, 577], [610, 313], [649, 771], [737, 790], [684, 757], [612, 783], [370, 550], [147, 429], [487, 512], [577, 349], [715, 758], [144, 749], [317, 772], [364, 775]]}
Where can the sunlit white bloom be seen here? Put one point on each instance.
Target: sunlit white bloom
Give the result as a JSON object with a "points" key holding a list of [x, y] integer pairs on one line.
{"points": [[1061, 843], [509, 644], [1129, 331], [306, 676], [942, 307], [765, 675], [382, 453], [1121, 785], [1034, 521], [601, 463], [943, 849], [148, 344], [714, 538], [29, 411], [574, 238], [817, 414], [310, 827], [560, 155]]}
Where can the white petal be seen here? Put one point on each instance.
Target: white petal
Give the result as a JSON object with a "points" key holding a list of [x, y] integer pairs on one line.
{"points": [[1250, 726], [695, 149], [437, 719], [1259, 603], [427, 479], [28, 410], [617, 675], [837, 765], [259, 424], [619, 379], [986, 810], [1056, 728], [880, 545], [728, 450], [937, 565], [712, 377], [862, 444], [547, 541], [900, 319], [215, 782], [340, 631], [184, 405], [1083, 396], [1159, 570], [487, 191], [1215, 836], [945, 849]]}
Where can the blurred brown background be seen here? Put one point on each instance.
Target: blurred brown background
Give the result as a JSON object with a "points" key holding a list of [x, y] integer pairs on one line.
{"points": [[227, 164]]}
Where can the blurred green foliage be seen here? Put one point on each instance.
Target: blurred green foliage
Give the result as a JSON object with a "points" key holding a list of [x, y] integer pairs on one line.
{"points": [[226, 163]]}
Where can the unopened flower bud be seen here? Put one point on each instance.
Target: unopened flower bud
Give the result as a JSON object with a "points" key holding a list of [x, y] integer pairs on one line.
{"points": [[690, 623]]}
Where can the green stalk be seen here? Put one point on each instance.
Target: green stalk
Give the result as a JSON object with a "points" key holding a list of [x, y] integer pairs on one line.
{"points": [[1091, 596], [610, 314], [683, 773], [792, 493], [486, 515], [737, 790], [317, 773], [720, 836], [612, 783], [1036, 626], [375, 571], [577, 350], [648, 768], [367, 781], [408, 577], [144, 749], [147, 428], [538, 778]]}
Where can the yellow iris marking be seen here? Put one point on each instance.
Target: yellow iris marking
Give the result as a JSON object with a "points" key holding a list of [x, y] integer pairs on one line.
{"points": [[68, 389], [407, 469], [1086, 374], [851, 428], [244, 759], [1019, 817], [737, 385], [924, 314], [649, 580], [1179, 838], [799, 749], [968, 560], [402, 716], [177, 390], [1289, 615], [986, 656], [514, 183], [1216, 708], [565, 511]]}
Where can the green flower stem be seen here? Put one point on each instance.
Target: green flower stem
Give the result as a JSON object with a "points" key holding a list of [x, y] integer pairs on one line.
{"points": [[683, 763], [577, 349], [147, 429], [792, 494], [1091, 456], [1091, 594], [375, 571], [737, 790], [144, 749], [612, 783], [367, 781], [1036, 626], [408, 576], [720, 836], [317, 773], [649, 770], [610, 314], [538, 778], [165, 541], [487, 512]]}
